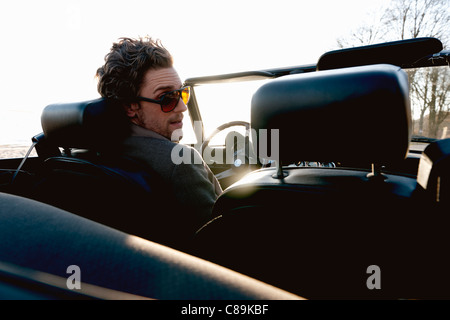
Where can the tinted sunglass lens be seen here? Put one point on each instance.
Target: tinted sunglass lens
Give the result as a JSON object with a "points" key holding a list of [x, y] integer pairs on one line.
{"points": [[185, 95], [170, 101]]}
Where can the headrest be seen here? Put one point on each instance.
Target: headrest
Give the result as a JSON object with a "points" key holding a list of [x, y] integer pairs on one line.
{"points": [[360, 113], [84, 124]]}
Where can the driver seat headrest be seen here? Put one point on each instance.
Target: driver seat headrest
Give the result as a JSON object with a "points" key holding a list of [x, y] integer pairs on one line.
{"points": [[359, 113], [85, 125]]}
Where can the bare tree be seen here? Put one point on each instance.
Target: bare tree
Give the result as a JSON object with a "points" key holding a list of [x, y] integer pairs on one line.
{"points": [[403, 19], [430, 88], [409, 19], [406, 19]]}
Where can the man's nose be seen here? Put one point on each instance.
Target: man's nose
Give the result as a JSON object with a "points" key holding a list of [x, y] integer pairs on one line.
{"points": [[181, 106]]}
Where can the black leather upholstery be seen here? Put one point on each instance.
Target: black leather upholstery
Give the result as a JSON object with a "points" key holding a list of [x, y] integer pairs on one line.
{"points": [[434, 173], [115, 192], [91, 179], [43, 238], [316, 231], [85, 124], [336, 115]]}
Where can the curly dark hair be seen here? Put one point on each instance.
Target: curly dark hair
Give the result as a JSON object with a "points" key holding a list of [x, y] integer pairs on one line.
{"points": [[121, 76]]}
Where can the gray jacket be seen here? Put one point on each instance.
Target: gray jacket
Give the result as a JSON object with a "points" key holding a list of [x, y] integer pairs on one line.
{"points": [[193, 187]]}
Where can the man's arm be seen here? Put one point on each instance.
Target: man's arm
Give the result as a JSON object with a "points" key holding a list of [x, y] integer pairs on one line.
{"points": [[196, 188]]}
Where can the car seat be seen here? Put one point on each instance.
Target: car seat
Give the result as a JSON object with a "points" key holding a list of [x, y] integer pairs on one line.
{"points": [[83, 172], [318, 230], [434, 174], [38, 243]]}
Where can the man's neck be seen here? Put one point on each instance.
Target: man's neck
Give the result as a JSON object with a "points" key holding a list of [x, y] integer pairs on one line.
{"points": [[139, 131]]}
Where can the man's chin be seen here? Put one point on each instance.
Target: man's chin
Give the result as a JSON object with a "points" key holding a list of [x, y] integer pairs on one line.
{"points": [[177, 135]]}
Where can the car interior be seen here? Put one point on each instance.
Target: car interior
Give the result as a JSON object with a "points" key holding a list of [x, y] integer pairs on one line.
{"points": [[281, 231], [307, 228]]}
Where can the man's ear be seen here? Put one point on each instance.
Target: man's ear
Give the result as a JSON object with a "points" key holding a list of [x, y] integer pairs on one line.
{"points": [[131, 109]]}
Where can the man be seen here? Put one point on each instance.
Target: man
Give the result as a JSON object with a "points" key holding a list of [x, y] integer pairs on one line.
{"points": [[139, 74]]}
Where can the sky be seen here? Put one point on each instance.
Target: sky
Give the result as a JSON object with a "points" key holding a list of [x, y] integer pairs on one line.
{"points": [[51, 49]]}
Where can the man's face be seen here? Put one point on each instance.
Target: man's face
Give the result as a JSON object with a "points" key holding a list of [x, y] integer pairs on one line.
{"points": [[148, 114]]}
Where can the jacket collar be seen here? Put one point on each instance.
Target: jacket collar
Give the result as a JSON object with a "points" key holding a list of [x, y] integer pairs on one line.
{"points": [[138, 131]]}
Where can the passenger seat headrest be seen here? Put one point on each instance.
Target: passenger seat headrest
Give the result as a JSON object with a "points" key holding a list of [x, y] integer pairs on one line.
{"points": [[359, 113], [87, 124]]}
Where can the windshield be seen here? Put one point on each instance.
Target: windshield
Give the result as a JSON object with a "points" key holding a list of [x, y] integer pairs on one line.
{"points": [[222, 103], [429, 94]]}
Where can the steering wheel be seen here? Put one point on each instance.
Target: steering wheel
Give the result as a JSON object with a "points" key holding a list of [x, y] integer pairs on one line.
{"points": [[220, 128], [223, 127]]}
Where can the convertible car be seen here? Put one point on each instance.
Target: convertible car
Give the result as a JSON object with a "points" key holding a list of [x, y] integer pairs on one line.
{"points": [[336, 179]]}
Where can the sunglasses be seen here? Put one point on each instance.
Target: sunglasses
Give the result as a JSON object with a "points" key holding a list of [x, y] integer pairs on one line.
{"points": [[169, 100]]}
